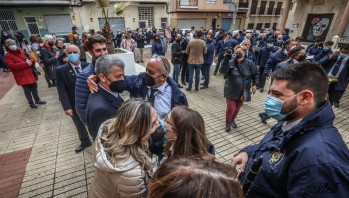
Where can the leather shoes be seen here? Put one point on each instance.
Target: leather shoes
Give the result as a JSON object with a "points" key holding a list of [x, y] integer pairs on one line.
{"points": [[33, 106], [228, 128], [40, 102], [233, 125], [263, 118], [336, 104], [82, 147]]}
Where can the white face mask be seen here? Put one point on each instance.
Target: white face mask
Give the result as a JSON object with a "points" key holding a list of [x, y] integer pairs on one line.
{"points": [[13, 47]]}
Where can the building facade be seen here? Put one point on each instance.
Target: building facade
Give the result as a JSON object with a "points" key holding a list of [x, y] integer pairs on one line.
{"points": [[35, 17], [264, 14], [207, 13], [322, 19]]}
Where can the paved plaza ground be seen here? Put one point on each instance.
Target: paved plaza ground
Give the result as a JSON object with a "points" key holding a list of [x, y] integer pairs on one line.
{"points": [[37, 145]]}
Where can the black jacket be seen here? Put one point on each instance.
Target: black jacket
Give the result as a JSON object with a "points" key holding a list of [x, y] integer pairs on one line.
{"points": [[176, 50], [140, 38], [240, 77], [66, 84], [101, 106]]}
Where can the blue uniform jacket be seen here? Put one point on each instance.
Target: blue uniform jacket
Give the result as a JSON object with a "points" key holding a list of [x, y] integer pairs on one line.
{"points": [[136, 88], [274, 59], [343, 78], [251, 56], [82, 91], [309, 160], [314, 50], [323, 53], [264, 54], [221, 45], [208, 57], [285, 64]]}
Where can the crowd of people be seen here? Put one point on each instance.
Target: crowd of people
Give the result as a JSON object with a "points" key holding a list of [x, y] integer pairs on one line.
{"points": [[154, 145]]}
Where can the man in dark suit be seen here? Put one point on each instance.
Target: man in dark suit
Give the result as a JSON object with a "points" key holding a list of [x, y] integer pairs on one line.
{"points": [[66, 76], [105, 103], [337, 67]]}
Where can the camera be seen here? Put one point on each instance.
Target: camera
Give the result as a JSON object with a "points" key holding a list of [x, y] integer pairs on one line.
{"points": [[227, 51]]}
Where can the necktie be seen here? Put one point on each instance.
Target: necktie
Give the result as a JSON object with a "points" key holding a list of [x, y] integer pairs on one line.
{"points": [[336, 67], [152, 96], [77, 69]]}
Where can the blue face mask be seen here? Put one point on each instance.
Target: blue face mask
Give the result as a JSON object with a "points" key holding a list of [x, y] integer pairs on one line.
{"points": [[73, 58], [270, 45], [342, 55], [162, 125], [273, 107]]}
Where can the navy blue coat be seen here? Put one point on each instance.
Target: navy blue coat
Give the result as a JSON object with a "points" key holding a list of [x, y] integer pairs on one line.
{"points": [[343, 78], [101, 106], [264, 54], [208, 57], [66, 78], [284, 64], [82, 91], [309, 160], [323, 53], [134, 84], [274, 59], [314, 50], [285, 37], [157, 48], [221, 45], [251, 56]]}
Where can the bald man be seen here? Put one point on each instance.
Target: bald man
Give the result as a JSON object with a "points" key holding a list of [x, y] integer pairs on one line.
{"points": [[66, 76]]}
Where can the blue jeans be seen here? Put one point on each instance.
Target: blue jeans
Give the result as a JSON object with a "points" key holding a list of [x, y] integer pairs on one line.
{"points": [[207, 67], [197, 76], [176, 71]]}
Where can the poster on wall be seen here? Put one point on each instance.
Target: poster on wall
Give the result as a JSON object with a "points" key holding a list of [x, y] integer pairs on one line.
{"points": [[317, 26]]}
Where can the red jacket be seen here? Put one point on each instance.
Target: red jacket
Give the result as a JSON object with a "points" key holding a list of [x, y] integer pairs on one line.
{"points": [[16, 61]]}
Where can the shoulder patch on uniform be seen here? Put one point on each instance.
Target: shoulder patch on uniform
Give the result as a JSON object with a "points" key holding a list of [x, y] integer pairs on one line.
{"points": [[275, 157]]}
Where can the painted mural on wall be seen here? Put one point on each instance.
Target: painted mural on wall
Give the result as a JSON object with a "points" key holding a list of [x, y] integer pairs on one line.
{"points": [[317, 26]]}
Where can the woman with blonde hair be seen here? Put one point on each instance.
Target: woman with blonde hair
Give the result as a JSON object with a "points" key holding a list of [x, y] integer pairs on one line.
{"points": [[122, 164]]}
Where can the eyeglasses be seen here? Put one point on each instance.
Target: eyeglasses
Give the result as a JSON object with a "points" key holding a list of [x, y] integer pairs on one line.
{"points": [[158, 58]]}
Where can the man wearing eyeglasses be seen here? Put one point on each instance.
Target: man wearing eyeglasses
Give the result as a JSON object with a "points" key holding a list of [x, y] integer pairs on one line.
{"points": [[66, 77]]}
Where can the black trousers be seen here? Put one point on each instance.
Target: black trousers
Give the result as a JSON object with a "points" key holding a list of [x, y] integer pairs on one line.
{"points": [[334, 96], [262, 77], [218, 65], [185, 71], [30, 92], [82, 131]]}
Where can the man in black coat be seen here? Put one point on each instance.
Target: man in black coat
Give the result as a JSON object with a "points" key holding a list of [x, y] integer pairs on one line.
{"points": [[66, 76], [105, 103]]}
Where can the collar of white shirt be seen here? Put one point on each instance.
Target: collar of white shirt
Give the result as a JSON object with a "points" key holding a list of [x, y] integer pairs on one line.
{"points": [[73, 66], [112, 93], [287, 126], [162, 87]]}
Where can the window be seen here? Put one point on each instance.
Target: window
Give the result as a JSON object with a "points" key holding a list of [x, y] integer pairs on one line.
{"points": [[262, 8], [274, 25], [146, 14], [250, 26], [163, 22], [227, 1], [188, 3], [7, 22], [271, 7], [278, 8], [259, 26], [211, 1], [266, 25], [254, 7]]}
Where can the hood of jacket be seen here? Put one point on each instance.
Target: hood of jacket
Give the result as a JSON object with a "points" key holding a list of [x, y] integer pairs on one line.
{"points": [[101, 159]]}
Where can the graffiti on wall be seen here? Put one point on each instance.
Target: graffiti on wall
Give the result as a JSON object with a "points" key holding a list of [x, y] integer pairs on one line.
{"points": [[317, 26]]}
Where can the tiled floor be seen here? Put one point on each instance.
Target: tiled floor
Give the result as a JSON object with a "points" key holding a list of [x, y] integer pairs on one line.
{"points": [[55, 170]]}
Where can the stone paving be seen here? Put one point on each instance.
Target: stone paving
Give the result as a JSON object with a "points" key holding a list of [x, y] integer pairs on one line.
{"points": [[55, 170]]}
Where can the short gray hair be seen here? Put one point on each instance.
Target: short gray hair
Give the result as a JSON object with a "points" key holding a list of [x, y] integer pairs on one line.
{"points": [[69, 45], [9, 40], [105, 63]]}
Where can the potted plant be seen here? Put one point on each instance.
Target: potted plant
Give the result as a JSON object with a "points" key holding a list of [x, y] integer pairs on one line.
{"points": [[106, 30]]}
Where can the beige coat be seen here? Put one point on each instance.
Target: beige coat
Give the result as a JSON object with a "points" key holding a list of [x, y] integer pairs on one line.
{"points": [[125, 179], [196, 49]]}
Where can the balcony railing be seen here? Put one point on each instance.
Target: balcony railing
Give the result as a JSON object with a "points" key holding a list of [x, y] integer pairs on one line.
{"points": [[188, 3], [267, 11]]}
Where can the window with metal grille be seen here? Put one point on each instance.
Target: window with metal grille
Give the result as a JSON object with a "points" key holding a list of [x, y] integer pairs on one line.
{"points": [[7, 22], [274, 26], [163, 22], [259, 26], [227, 1], [266, 25], [147, 14], [211, 1], [32, 26], [250, 26]]}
